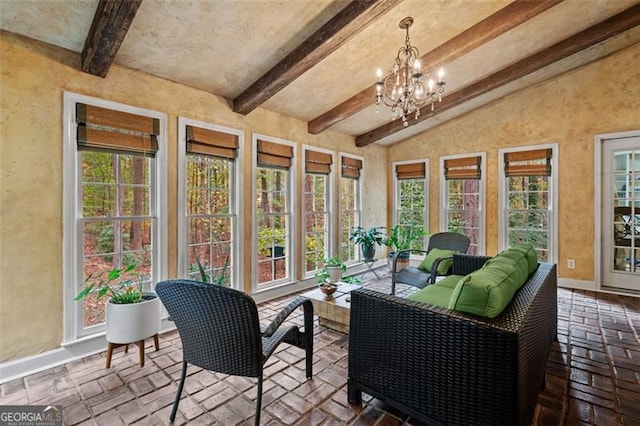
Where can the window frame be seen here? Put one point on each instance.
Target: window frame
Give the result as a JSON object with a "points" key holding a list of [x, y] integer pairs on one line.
{"points": [[359, 188], [503, 232], [444, 197], [292, 223], [396, 193], [73, 330], [328, 203], [236, 201]]}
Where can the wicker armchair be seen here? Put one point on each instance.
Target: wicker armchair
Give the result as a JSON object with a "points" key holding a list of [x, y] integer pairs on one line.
{"points": [[220, 331], [418, 278]]}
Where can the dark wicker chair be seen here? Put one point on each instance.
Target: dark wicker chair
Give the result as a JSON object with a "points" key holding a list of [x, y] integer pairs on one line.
{"points": [[220, 331], [419, 278]]}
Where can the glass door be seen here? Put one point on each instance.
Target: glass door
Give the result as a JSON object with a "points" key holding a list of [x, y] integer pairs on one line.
{"points": [[621, 213]]}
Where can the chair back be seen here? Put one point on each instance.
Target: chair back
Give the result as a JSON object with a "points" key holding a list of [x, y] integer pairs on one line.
{"points": [[449, 241], [219, 326]]}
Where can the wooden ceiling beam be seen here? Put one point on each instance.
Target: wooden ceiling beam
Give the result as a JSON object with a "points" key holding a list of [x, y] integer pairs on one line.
{"points": [[590, 37], [355, 17], [484, 31], [108, 29]]}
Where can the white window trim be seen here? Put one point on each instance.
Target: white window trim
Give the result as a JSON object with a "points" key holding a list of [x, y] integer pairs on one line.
{"points": [[237, 278], [328, 203], [72, 269], [396, 194], [292, 223], [482, 235], [502, 201], [338, 242]]}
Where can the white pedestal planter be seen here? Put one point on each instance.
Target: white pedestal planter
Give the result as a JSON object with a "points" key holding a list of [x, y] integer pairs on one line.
{"points": [[335, 273], [133, 323]]}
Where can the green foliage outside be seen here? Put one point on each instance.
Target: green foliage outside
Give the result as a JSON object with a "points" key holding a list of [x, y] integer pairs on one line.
{"points": [[269, 237], [528, 216]]}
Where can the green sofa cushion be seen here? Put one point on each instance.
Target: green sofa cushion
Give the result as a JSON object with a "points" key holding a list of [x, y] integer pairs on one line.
{"points": [[530, 252], [436, 253], [510, 258], [487, 291], [449, 281], [437, 295]]}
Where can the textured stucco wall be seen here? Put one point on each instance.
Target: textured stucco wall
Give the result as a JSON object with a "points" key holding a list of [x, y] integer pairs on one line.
{"points": [[570, 110], [34, 76]]}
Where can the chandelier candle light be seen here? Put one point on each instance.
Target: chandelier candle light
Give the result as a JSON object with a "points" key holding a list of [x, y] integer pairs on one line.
{"points": [[403, 90]]}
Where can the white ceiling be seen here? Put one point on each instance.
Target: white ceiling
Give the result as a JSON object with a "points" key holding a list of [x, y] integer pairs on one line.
{"points": [[223, 46]]}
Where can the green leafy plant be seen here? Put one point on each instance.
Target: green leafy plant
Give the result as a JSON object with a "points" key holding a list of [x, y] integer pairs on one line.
{"points": [[217, 279], [352, 279], [401, 237], [323, 274], [121, 290], [371, 236]]}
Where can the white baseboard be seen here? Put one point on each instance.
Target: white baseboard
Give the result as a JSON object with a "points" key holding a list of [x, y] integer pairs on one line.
{"points": [[81, 348], [577, 284]]}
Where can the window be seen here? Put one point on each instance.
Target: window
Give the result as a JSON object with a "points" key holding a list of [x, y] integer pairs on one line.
{"points": [[274, 201], [208, 201], [529, 200], [350, 205], [113, 162], [410, 199], [317, 202], [463, 198]]}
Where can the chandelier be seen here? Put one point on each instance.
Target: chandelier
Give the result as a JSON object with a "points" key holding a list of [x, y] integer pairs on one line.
{"points": [[404, 90]]}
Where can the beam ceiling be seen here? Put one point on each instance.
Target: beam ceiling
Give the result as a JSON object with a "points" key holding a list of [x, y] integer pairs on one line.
{"points": [[348, 22], [591, 36], [108, 29], [484, 31]]}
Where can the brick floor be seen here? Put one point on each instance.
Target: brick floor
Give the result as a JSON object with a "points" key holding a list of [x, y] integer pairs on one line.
{"points": [[593, 377]]}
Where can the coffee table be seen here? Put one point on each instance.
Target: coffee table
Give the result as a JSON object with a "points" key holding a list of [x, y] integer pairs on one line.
{"points": [[333, 311]]}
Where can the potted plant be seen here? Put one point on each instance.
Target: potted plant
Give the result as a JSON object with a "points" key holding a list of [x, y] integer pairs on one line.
{"points": [[368, 239], [220, 278], [330, 274], [400, 238], [132, 314]]}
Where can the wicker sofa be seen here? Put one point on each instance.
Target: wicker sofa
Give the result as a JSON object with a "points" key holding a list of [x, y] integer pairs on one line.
{"points": [[452, 368]]}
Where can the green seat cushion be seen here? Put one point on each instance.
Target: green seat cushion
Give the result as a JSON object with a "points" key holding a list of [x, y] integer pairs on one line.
{"points": [[436, 253], [487, 291], [437, 295], [449, 281]]}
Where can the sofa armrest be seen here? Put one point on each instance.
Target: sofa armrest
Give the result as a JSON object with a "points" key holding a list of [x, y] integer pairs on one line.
{"points": [[464, 264]]}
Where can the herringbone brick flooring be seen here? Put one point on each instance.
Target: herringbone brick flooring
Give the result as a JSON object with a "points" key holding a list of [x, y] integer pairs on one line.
{"points": [[593, 377]]}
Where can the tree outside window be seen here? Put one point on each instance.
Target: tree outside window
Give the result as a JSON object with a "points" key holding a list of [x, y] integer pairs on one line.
{"points": [[210, 217], [528, 205], [273, 224]]}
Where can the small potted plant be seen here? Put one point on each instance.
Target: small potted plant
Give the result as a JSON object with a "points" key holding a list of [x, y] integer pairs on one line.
{"points": [[330, 274], [132, 314], [368, 239], [220, 278], [401, 238]]}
